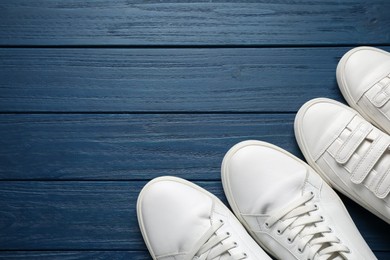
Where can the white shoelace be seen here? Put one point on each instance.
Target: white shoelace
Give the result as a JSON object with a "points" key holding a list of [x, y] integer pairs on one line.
{"points": [[212, 245], [296, 220]]}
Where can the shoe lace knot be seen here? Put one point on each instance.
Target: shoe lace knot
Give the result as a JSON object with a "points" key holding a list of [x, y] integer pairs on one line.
{"points": [[301, 220], [214, 244]]}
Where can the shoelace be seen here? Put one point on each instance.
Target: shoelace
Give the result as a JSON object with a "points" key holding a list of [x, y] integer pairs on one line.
{"points": [[297, 219], [212, 245]]}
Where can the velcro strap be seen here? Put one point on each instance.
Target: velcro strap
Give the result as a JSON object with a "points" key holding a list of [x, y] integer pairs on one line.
{"points": [[352, 142], [367, 162], [383, 188], [383, 95]]}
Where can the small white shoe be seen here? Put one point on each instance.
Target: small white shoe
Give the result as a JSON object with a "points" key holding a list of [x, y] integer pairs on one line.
{"points": [[347, 151], [287, 207], [363, 75], [181, 221]]}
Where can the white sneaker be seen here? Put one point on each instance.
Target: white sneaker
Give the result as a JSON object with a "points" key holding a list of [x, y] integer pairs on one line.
{"points": [[363, 75], [287, 207], [347, 151], [181, 221]]}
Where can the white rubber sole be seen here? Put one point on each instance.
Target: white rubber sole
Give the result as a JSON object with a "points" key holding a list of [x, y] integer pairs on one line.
{"points": [[343, 86], [301, 143], [227, 189]]}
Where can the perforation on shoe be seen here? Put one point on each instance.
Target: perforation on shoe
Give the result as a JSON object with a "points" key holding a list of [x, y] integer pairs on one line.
{"points": [[304, 225]]}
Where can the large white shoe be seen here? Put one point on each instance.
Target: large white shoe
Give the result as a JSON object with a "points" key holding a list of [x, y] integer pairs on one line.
{"points": [[287, 207], [181, 221], [348, 152], [363, 75]]}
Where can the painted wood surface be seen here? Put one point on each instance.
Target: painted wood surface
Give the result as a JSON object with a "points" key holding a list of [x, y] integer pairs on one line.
{"points": [[82, 255], [130, 147], [76, 255], [74, 216], [98, 97], [158, 80], [121, 22]]}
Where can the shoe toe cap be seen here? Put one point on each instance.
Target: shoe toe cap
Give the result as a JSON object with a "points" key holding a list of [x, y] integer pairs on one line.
{"points": [[260, 178], [173, 215], [361, 68], [317, 124]]}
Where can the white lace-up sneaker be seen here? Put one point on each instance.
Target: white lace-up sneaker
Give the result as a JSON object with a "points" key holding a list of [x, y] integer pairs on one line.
{"points": [[181, 221], [363, 75], [348, 152], [287, 207]]}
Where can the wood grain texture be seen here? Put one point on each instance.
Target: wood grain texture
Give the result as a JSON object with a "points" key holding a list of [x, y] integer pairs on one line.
{"points": [[71, 215], [111, 255], [84, 126], [76, 22], [155, 80], [101, 215], [130, 147], [76, 255]]}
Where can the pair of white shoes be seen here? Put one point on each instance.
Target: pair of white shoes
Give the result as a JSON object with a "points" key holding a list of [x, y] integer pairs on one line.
{"points": [[283, 203], [342, 144]]}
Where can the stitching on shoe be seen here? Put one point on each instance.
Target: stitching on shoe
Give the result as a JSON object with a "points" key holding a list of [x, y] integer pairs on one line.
{"points": [[355, 194], [361, 178], [345, 158], [380, 183], [336, 135], [382, 96]]}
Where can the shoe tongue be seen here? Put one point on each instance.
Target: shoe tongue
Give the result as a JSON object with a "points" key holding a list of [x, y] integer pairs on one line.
{"points": [[225, 256]]}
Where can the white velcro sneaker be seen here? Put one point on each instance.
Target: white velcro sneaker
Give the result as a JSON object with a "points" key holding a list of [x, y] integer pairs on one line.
{"points": [[347, 151], [363, 75]]}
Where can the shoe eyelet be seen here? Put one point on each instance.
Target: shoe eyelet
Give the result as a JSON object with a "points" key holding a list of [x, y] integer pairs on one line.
{"points": [[228, 233], [235, 244], [322, 217], [221, 221], [278, 231], [311, 193], [266, 225], [316, 206], [245, 255], [299, 250], [289, 240]]}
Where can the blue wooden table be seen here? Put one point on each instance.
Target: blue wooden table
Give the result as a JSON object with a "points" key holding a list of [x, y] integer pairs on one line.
{"points": [[99, 97]]}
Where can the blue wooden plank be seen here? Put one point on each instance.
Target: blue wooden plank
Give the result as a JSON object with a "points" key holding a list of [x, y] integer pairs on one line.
{"points": [[112, 255], [155, 80], [72, 215], [120, 22], [130, 147], [101, 216], [75, 255]]}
